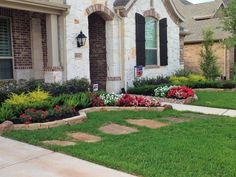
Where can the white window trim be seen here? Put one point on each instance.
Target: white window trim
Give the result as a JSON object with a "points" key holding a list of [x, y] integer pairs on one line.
{"points": [[12, 50]]}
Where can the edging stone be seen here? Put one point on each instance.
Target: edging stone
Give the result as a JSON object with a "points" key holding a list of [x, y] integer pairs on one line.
{"points": [[77, 119]]}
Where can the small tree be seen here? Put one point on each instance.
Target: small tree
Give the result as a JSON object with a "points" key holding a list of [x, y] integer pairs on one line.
{"points": [[208, 63], [229, 23]]}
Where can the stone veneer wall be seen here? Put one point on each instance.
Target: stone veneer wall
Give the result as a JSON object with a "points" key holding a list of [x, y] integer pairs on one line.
{"points": [[21, 38], [192, 58], [78, 58]]}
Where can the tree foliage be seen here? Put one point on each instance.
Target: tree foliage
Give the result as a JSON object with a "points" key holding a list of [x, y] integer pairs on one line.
{"points": [[229, 23], [208, 63]]}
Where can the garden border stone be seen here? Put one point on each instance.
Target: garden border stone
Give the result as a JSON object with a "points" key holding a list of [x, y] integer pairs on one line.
{"points": [[81, 118]]}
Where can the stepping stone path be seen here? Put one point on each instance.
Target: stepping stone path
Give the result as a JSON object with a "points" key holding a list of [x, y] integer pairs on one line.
{"points": [[85, 137], [59, 143], [177, 120], [147, 123], [117, 129]]}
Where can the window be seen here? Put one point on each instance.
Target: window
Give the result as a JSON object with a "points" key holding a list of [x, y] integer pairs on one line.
{"points": [[151, 44], [6, 59], [151, 41]]}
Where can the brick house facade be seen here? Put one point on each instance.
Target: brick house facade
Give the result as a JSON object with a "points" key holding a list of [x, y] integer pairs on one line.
{"points": [[26, 42], [21, 36]]}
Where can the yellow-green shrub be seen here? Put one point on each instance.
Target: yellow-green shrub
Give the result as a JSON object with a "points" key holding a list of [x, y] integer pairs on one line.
{"points": [[25, 99], [196, 78], [38, 95], [178, 80], [17, 99]]}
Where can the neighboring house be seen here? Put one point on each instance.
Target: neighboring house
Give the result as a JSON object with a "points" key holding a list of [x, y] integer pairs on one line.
{"points": [[123, 34], [199, 17], [38, 40]]}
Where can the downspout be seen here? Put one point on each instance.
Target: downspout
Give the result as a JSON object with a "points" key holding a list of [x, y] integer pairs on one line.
{"points": [[225, 62], [122, 46]]}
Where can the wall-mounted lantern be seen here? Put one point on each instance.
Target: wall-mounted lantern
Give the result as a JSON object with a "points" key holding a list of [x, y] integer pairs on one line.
{"points": [[81, 39]]}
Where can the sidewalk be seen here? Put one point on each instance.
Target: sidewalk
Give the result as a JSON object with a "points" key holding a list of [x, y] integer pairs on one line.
{"points": [[202, 109], [22, 160]]}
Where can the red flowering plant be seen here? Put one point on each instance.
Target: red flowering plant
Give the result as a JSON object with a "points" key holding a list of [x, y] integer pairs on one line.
{"points": [[141, 101], [62, 112], [33, 115], [180, 92], [96, 101]]}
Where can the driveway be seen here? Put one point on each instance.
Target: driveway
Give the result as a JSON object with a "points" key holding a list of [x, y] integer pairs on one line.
{"points": [[23, 160]]}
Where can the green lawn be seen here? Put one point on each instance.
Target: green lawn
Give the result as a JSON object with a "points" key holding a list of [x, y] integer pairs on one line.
{"points": [[225, 99], [202, 147]]}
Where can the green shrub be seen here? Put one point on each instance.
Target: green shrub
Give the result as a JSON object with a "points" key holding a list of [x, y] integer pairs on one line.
{"points": [[213, 84], [208, 64], [179, 80], [196, 78], [183, 72], [72, 101], [54, 89], [84, 100], [143, 90], [6, 113], [160, 80]]}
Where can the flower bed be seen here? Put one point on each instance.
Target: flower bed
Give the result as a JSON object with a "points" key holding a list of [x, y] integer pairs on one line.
{"points": [[39, 107], [176, 92]]}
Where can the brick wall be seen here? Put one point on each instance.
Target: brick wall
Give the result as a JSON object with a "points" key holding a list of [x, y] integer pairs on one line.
{"points": [[97, 43], [181, 48], [192, 57], [21, 35]]}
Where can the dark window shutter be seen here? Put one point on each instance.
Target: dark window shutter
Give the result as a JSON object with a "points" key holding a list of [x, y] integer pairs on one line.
{"points": [[163, 42], [140, 39]]}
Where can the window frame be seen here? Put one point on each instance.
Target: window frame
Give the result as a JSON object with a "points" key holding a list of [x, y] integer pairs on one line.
{"points": [[12, 49], [158, 44]]}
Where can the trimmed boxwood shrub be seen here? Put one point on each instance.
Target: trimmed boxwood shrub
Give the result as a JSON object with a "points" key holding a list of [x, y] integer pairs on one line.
{"points": [[213, 84], [147, 90], [160, 80]]}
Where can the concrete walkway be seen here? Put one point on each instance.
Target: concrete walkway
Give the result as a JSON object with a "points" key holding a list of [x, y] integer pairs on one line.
{"points": [[202, 109], [22, 160]]}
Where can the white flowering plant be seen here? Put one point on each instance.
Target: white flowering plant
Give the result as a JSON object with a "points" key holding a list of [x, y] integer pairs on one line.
{"points": [[162, 91], [110, 99]]}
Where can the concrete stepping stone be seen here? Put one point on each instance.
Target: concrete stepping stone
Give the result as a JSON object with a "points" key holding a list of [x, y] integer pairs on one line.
{"points": [[147, 123], [117, 129], [177, 120], [85, 137], [59, 143]]}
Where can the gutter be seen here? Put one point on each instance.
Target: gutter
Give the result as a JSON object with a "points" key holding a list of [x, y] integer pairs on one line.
{"points": [[36, 6]]}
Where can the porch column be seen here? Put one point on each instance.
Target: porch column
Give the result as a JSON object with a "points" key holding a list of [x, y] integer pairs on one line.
{"points": [[54, 70]]}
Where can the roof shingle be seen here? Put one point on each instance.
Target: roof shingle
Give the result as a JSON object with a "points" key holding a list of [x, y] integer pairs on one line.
{"points": [[199, 17]]}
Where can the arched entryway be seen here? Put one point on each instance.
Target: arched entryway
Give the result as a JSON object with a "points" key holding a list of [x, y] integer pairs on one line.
{"points": [[97, 52], [98, 14]]}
